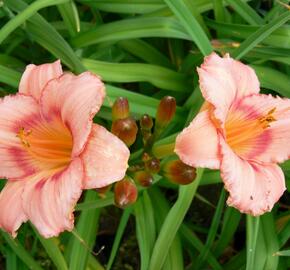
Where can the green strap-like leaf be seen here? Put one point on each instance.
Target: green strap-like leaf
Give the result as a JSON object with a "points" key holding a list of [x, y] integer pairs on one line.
{"points": [[181, 9], [173, 222], [21, 252], [53, 251], [26, 14], [246, 12], [260, 35]]}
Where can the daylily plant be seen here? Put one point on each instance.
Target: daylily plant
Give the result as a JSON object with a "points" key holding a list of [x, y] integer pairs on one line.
{"points": [[50, 149], [241, 132]]}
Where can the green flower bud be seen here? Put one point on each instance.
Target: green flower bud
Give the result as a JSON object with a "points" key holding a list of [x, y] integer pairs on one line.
{"points": [[120, 109]]}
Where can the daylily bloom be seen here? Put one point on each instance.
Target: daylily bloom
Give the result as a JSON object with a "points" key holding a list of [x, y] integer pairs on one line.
{"points": [[50, 149], [241, 132]]}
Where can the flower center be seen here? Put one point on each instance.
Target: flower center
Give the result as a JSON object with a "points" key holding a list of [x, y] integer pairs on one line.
{"points": [[243, 129], [48, 144]]}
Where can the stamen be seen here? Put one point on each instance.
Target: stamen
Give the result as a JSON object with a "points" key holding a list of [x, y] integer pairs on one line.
{"points": [[267, 119], [22, 133]]}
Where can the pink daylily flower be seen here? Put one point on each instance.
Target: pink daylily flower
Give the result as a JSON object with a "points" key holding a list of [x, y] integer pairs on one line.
{"points": [[241, 132], [50, 149]]}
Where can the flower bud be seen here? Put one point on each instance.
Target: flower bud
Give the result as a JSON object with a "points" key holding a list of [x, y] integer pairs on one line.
{"points": [[145, 157], [165, 111], [146, 122], [144, 178], [120, 109], [152, 165], [179, 173], [126, 129], [125, 192]]}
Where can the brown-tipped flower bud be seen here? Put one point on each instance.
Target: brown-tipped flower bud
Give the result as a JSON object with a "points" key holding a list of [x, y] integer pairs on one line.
{"points": [[165, 111], [144, 178], [152, 165], [126, 129], [179, 173], [145, 157], [125, 192], [120, 109], [103, 190], [146, 122]]}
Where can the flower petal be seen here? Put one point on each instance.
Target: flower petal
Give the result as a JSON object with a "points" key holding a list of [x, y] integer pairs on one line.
{"points": [[76, 99], [12, 214], [105, 158], [15, 113], [254, 188], [273, 145], [222, 80], [35, 78], [197, 145], [49, 202]]}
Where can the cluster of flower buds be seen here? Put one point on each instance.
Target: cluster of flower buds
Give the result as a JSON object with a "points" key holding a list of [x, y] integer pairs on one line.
{"points": [[123, 125], [150, 166]]}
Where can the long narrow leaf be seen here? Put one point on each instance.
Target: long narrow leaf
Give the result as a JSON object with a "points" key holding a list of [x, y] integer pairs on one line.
{"points": [[181, 8], [21, 252], [173, 222], [131, 72], [246, 12], [118, 236], [260, 35], [53, 251], [25, 14]]}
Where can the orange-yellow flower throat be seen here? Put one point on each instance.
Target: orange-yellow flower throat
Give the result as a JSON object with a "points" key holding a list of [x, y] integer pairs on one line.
{"points": [[49, 144], [242, 130]]}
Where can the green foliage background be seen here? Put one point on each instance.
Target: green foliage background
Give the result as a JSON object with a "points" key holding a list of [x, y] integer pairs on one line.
{"points": [[144, 50]]}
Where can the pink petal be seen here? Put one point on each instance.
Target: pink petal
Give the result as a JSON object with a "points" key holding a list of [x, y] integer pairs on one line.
{"points": [[254, 188], [15, 113], [76, 99], [273, 145], [35, 78], [105, 158], [11, 214], [197, 145], [222, 80], [49, 202]]}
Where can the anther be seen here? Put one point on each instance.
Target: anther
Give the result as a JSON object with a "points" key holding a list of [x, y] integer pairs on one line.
{"points": [[22, 133], [269, 118]]}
